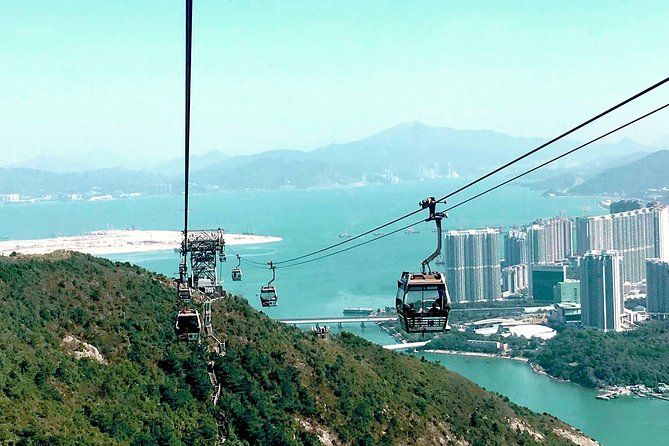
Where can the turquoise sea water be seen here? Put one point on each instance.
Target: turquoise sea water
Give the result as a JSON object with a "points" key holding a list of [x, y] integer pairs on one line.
{"points": [[310, 219]]}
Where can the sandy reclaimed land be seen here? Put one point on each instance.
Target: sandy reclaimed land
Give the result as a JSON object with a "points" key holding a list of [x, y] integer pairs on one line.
{"points": [[118, 242]]}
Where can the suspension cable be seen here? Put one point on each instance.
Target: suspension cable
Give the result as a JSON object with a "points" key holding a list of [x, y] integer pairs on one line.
{"points": [[487, 190], [403, 228], [557, 158], [489, 174], [189, 41]]}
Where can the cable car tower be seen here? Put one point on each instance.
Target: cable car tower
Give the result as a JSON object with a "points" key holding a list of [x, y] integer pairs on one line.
{"points": [[206, 251]]}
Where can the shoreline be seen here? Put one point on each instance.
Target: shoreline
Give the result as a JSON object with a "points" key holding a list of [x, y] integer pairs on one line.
{"points": [[123, 241], [477, 354], [610, 392]]}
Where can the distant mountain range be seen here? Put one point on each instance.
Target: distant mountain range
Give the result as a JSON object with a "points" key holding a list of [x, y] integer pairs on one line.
{"points": [[40, 183], [632, 179], [408, 151]]}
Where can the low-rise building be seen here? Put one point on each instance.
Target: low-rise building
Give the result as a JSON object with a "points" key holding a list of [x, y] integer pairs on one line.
{"points": [[567, 291], [565, 313], [543, 277]]}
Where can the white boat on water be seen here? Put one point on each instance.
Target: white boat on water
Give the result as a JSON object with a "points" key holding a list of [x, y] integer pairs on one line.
{"points": [[411, 230], [345, 235]]}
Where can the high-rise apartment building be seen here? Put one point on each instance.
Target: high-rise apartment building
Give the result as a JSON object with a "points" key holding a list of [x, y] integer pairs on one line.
{"points": [[515, 247], [657, 284], [602, 290], [514, 279], [637, 235], [472, 264], [549, 240]]}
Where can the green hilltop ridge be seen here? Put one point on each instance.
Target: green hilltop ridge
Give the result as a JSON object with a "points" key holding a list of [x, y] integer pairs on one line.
{"points": [[280, 385], [649, 172]]}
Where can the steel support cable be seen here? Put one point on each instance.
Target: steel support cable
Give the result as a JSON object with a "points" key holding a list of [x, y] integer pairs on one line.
{"points": [[189, 41], [556, 158], [327, 248], [490, 189], [489, 174], [254, 265], [252, 262], [567, 133], [357, 245]]}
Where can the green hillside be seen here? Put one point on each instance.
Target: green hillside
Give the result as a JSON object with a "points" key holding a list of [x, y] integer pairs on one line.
{"points": [[649, 172], [592, 358], [280, 385]]}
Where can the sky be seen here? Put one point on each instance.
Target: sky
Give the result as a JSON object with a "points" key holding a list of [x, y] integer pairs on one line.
{"points": [[106, 77]]}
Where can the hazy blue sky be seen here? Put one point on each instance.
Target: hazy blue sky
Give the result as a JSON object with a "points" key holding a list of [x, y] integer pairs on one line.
{"points": [[82, 75]]}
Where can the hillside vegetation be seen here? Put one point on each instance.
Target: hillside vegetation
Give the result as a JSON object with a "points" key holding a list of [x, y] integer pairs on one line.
{"points": [[592, 358], [281, 386], [649, 172]]}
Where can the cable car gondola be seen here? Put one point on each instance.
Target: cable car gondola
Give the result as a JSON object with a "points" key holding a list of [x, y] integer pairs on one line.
{"points": [[268, 294], [187, 325], [237, 271], [183, 291], [423, 303]]}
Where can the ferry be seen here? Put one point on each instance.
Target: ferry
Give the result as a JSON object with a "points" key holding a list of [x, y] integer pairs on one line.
{"points": [[344, 235], [366, 311], [411, 230]]}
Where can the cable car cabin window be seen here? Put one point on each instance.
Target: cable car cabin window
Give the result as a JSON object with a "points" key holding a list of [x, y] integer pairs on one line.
{"points": [[268, 296]]}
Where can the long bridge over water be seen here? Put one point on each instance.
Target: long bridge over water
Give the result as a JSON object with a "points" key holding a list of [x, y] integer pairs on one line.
{"points": [[338, 320], [391, 318]]}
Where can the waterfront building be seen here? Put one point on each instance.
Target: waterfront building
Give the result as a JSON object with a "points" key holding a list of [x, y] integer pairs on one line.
{"points": [[549, 240], [514, 279], [9, 198], [657, 288], [567, 291], [543, 278], [515, 247], [472, 264], [602, 290], [637, 235]]}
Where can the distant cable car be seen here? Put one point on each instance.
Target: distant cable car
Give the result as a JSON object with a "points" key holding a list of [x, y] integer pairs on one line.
{"points": [[187, 325], [222, 257], [268, 294], [184, 291], [423, 303], [237, 271]]}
